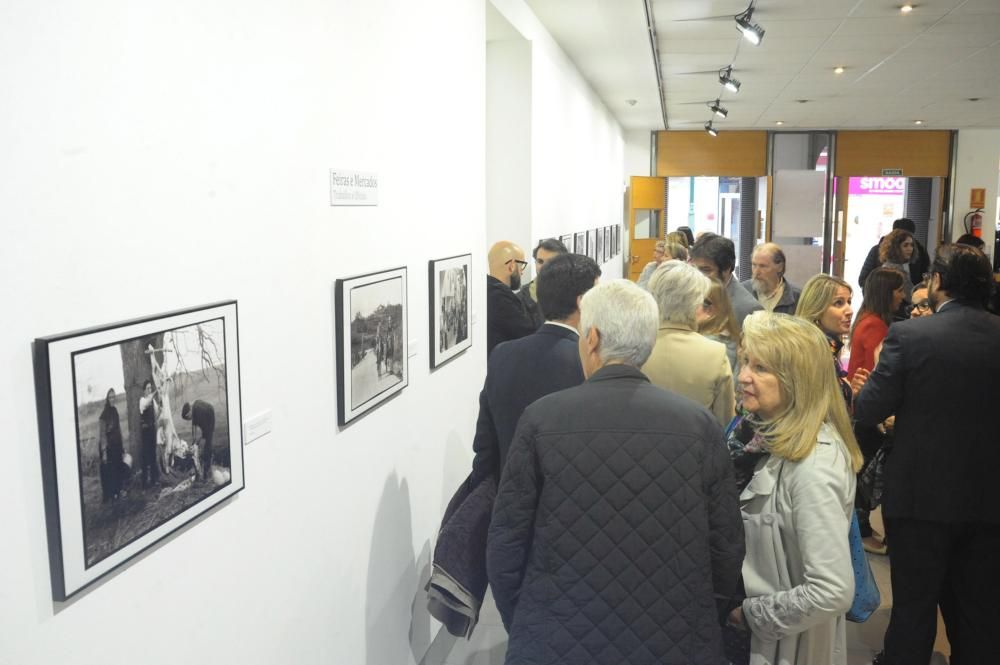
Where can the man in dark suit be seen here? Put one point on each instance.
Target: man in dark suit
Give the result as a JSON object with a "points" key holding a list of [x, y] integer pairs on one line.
{"points": [[528, 295], [715, 257], [506, 317], [940, 376], [521, 371]]}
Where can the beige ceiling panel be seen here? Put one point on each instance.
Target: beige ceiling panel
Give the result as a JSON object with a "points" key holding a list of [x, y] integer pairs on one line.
{"points": [[978, 7], [884, 26]]}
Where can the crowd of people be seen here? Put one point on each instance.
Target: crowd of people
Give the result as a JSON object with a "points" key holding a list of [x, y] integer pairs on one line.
{"points": [[668, 472]]}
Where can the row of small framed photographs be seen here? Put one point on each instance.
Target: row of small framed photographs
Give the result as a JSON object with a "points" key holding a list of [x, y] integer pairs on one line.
{"points": [[601, 244], [140, 421]]}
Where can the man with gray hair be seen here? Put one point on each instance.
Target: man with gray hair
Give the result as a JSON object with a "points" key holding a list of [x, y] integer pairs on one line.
{"points": [[768, 284], [683, 360], [616, 526]]}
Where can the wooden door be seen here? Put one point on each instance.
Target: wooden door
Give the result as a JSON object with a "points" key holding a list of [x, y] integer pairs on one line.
{"points": [[646, 217]]}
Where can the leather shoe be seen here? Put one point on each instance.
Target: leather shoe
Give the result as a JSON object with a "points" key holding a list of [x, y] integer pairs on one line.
{"points": [[873, 546]]}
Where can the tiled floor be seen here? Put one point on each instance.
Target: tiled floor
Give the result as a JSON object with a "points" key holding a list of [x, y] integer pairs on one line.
{"points": [[489, 640]]}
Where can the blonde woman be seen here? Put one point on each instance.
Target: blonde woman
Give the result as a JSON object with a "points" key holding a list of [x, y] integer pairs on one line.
{"points": [[664, 250], [826, 303], [717, 321], [797, 573]]}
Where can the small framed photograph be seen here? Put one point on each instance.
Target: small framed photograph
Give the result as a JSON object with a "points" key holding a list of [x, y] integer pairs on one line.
{"points": [[618, 238], [580, 243], [371, 341], [592, 245], [608, 247], [140, 432], [567, 240], [450, 304], [601, 256]]}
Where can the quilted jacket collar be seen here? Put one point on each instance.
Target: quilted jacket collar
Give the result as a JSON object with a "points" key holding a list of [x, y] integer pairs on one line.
{"points": [[612, 372]]}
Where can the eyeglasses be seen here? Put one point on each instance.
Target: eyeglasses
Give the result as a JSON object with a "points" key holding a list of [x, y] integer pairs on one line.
{"points": [[923, 306], [521, 265]]}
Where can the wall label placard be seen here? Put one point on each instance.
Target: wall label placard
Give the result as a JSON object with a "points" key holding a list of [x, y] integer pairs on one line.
{"points": [[978, 197], [353, 188]]}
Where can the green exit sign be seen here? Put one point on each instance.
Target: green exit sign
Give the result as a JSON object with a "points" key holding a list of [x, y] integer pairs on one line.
{"points": [[891, 172]]}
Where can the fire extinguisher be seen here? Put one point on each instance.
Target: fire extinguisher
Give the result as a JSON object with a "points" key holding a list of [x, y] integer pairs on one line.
{"points": [[973, 222]]}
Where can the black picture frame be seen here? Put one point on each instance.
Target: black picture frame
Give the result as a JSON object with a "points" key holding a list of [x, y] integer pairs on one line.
{"points": [[371, 340], [567, 241], [608, 247], [601, 247], [450, 305], [113, 492], [580, 243], [592, 245]]}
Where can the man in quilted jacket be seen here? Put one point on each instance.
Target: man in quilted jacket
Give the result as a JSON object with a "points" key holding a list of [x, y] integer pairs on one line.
{"points": [[616, 527]]}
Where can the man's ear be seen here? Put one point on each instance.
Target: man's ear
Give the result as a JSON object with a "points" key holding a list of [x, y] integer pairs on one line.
{"points": [[593, 340]]}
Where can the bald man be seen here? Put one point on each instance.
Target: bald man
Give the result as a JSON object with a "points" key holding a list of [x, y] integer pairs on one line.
{"points": [[506, 317], [768, 284]]}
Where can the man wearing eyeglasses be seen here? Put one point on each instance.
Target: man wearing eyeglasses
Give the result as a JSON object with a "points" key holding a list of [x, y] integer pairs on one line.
{"points": [[506, 317]]}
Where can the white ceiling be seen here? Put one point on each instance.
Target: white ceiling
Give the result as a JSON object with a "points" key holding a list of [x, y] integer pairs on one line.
{"points": [[899, 68]]}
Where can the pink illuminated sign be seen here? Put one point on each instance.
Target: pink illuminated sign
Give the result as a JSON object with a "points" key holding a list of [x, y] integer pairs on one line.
{"points": [[881, 186]]}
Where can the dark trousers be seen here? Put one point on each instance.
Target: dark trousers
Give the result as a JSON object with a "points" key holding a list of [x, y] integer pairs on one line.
{"points": [[150, 467], [951, 565]]}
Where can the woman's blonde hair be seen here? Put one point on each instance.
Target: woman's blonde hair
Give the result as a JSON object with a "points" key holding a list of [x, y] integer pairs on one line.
{"points": [[798, 354], [676, 250], [678, 237], [722, 321], [817, 295]]}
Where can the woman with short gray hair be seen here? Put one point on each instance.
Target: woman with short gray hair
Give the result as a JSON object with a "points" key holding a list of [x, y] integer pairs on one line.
{"points": [[683, 360]]}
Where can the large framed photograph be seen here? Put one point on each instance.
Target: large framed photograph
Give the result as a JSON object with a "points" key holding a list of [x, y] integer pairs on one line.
{"points": [[450, 304], [140, 431], [580, 243], [372, 337]]}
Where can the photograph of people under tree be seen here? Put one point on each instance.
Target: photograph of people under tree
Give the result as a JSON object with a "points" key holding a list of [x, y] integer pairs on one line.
{"points": [[152, 431]]}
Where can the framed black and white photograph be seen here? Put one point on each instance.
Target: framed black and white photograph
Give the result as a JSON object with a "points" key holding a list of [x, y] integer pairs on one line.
{"points": [[450, 304], [608, 247], [618, 239], [140, 432], [580, 243], [567, 241], [371, 319], [601, 256], [592, 245]]}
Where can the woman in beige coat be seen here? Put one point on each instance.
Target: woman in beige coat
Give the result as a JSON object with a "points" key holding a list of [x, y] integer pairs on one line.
{"points": [[683, 360], [797, 508]]}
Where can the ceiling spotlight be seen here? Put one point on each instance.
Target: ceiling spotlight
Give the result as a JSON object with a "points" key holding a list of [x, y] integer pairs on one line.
{"points": [[906, 9], [712, 131], [751, 31], [718, 110], [726, 79], [918, 122], [838, 70], [779, 123]]}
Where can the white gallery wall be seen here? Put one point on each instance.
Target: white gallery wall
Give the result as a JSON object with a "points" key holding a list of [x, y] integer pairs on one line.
{"points": [[576, 145], [977, 165], [161, 155]]}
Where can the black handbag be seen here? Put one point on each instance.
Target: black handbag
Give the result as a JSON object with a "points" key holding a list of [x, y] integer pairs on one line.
{"points": [[871, 481]]}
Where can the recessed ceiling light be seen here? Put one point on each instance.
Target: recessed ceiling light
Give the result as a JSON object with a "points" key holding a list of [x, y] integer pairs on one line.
{"points": [[906, 9], [838, 70], [918, 122], [780, 122], [631, 102], [974, 99], [803, 101]]}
